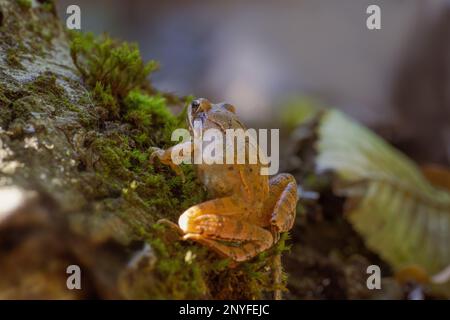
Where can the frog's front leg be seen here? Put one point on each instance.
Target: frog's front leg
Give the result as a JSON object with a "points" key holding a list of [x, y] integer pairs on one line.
{"points": [[172, 156], [282, 202]]}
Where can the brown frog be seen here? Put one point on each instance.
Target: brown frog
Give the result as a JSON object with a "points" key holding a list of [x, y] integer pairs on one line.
{"points": [[248, 210]]}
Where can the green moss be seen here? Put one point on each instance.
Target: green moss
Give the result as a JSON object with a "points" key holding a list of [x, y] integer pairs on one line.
{"points": [[104, 97], [24, 4], [24, 24], [12, 59], [139, 118], [188, 271], [47, 35], [122, 157], [42, 32], [178, 270], [48, 6], [117, 66], [153, 106], [151, 116], [6, 113], [139, 157], [46, 84], [4, 101], [113, 157]]}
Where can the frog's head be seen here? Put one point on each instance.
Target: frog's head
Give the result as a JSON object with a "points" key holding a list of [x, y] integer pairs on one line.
{"points": [[202, 109]]}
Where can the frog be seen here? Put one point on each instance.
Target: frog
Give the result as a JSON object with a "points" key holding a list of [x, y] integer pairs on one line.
{"points": [[247, 210]]}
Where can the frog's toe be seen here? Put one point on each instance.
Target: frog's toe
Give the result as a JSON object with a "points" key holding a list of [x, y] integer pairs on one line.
{"points": [[155, 153], [171, 225], [192, 236], [275, 231]]}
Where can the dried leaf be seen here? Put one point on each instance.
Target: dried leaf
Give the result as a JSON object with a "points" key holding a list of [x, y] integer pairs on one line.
{"points": [[399, 213]]}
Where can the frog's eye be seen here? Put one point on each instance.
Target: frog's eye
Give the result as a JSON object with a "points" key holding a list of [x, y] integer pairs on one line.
{"points": [[229, 107], [195, 104]]}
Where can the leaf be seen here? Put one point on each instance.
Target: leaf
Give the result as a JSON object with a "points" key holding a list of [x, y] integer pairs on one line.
{"points": [[398, 212], [438, 176]]}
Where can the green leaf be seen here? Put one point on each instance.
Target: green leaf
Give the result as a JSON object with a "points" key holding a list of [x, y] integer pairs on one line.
{"points": [[398, 212]]}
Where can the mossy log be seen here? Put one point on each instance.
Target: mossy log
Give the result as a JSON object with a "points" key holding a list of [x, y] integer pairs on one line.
{"points": [[77, 118]]}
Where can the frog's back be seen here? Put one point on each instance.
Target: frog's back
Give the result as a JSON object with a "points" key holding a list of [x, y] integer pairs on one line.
{"points": [[232, 179], [235, 177]]}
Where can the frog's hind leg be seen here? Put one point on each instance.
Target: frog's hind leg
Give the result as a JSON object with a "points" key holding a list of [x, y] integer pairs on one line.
{"points": [[227, 228], [240, 253], [223, 206], [282, 201], [213, 220], [281, 206], [251, 238]]}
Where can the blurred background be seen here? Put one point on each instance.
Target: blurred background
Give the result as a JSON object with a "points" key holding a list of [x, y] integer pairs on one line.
{"points": [[262, 55]]}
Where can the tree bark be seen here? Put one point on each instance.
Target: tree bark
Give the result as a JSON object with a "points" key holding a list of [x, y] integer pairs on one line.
{"points": [[53, 211]]}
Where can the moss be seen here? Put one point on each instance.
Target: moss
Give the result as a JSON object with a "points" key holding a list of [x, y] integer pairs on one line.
{"points": [[48, 6], [163, 191], [12, 59], [47, 35], [6, 114], [25, 4], [185, 270], [151, 116], [46, 84], [117, 66], [153, 106], [4, 101], [29, 32], [178, 274], [138, 117], [104, 97]]}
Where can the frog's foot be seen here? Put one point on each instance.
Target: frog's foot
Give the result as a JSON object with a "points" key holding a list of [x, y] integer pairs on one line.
{"points": [[220, 249], [275, 233], [172, 225], [283, 200], [240, 253], [165, 157], [160, 154]]}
